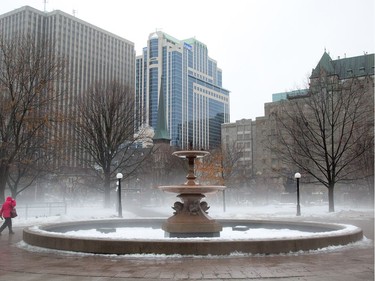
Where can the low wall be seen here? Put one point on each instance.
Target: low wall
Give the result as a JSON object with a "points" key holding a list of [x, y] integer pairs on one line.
{"points": [[57, 241]]}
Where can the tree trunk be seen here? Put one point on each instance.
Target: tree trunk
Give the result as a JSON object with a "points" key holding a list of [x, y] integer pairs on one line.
{"points": [[14, 193], [371, 187], [2, 190], [3, 182], [107, 189], [331, 202]]}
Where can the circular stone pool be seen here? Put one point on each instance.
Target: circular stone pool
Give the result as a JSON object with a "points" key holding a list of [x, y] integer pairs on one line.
{"points": [[144, 236]]}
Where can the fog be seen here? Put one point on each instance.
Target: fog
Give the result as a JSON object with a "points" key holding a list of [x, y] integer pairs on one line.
{"points": [[153, 203], [149, 195]]}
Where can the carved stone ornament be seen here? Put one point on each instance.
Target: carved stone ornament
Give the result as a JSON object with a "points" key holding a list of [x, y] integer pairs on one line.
{"points": [[178, 206]]}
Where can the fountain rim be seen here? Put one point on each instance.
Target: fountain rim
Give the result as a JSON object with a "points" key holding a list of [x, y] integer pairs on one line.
{"points": [[43, 237], [192, 189], [191, 153], [324, 227]]}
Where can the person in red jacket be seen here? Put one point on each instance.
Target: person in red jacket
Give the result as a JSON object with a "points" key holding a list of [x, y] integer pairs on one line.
{"points": [[8, 205]]}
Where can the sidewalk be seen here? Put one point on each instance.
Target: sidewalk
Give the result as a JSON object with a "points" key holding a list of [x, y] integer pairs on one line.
{"points": [[348, 263]]}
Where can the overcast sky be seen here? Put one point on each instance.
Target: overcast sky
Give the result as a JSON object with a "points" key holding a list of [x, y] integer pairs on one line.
{"points": [[262, 46]]}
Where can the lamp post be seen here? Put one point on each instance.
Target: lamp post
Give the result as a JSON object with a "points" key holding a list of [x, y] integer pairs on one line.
{"points": [[119, 177], [297, 176], [224, 203]]}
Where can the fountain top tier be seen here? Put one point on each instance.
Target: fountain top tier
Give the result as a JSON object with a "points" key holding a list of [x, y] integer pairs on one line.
{"points": [[191, 153], [191, 186]]}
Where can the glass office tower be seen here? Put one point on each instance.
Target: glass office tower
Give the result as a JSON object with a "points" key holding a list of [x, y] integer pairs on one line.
{"points": [[196, 104]]}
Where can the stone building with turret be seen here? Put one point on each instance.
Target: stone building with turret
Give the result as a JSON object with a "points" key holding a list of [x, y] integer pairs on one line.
{"points": [[267, 169]]}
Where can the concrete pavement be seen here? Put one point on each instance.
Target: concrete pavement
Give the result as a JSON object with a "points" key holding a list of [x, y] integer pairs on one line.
{"points": [[350, 263]]}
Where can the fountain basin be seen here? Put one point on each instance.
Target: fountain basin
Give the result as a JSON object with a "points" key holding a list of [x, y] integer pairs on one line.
{"points": [[52, 237]]}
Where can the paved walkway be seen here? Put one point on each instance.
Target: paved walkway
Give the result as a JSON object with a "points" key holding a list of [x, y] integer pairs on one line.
{"points": [[348, 263]]}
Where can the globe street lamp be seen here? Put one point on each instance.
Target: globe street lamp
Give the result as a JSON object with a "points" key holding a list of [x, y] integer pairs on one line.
{"points": [[119, 177], [298, 176]]}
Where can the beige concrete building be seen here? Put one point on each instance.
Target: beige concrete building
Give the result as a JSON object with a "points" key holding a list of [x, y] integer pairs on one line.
{"points": [[257, 137], [92, 55], [237, 139]]}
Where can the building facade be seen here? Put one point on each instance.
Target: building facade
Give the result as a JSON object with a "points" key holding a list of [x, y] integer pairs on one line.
{"points": [[91, 53], [196, 104], [267, 168], [237, 139]]}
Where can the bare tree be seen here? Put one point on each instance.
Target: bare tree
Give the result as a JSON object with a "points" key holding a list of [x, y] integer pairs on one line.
{"points": [[28, 70], [210, 169], [221, 166], [323, 133], [165, 168], [364, 165], [235, 171], [34, 163], [105, 132]]}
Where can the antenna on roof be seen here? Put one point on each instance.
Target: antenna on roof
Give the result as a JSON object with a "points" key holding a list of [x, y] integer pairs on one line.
{"points": [[45, 4], [74, 13]]}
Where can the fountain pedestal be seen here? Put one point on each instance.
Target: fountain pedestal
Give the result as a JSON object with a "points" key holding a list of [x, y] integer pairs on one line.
{"points": [[190, 218]]}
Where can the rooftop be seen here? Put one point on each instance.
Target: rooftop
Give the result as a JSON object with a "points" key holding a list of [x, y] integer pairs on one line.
{"points": [[345, 67]]}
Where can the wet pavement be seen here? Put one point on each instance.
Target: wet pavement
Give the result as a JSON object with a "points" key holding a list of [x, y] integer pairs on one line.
{"points": [[353, 262]]}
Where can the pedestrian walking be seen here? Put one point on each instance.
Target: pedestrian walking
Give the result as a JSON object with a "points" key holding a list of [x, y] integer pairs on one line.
{"points": [[6, 213]]}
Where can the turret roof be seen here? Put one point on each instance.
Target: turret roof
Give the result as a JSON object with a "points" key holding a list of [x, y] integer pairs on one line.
{"points": [[345, 67]]}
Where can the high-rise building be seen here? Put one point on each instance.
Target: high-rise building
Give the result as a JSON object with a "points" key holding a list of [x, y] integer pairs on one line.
{"points": [[196, 104], [92, 55]]}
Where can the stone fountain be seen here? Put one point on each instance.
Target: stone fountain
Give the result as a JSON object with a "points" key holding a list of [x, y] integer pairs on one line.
{"points": [[190, 218]]}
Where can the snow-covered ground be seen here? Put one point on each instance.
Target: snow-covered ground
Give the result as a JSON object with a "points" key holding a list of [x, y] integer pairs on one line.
{"points": [[275, 211]]}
